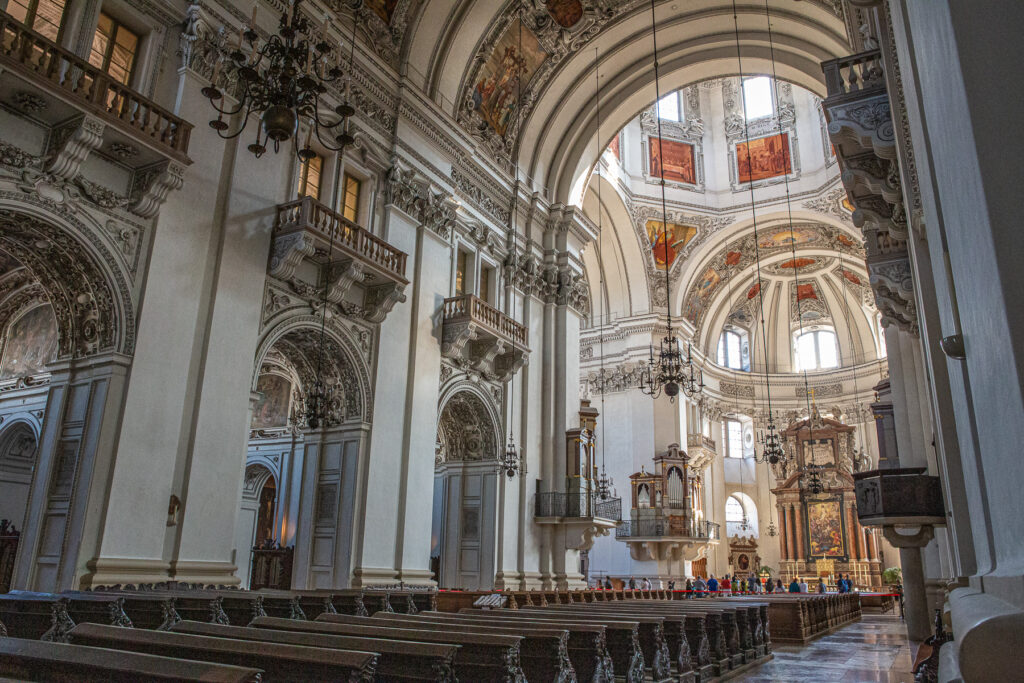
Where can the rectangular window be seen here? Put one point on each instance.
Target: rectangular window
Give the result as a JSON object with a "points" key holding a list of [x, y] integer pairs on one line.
{"points": [[757, 97], [350, 204], [114, 48], [734, 433], [485, 284], [309, 177], [43, 16], [461, 264], [668, 107]]}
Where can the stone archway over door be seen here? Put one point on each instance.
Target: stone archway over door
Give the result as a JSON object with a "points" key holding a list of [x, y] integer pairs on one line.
{"points": [[466, 493], [257, 479], [18, 448]]}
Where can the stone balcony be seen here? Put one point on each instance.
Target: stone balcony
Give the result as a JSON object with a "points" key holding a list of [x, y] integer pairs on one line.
{"points": [[701, 450], [63, 107], [479, 337], [365, 275], [860, 127], [667, 539]]}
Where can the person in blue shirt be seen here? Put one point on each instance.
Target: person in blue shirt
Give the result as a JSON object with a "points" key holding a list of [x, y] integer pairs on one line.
{"points": [[841, 585], [713, 585], [794, 586]]}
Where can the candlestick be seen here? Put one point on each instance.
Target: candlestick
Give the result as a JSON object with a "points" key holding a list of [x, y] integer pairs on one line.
{"points": [[255, 8]]}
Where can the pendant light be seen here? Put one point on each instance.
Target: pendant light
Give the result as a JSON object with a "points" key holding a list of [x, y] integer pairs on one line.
{"points": [[771, 446], [672, 372], [512, 461], [814, 476], [604, 482]]}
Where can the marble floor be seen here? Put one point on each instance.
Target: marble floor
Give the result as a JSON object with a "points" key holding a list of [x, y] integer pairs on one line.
{"points": [[875, 649]]}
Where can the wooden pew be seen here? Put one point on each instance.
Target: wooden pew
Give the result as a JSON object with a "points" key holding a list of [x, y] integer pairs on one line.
{"points": [[279, 662], [662, 636], [34, 660], [39, 616], [481, 657], [544, 654], [400, 660], [622, 636], [587, 646]]}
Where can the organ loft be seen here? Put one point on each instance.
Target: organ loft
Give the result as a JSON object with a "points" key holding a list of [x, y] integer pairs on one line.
{"points": [[539, 340]]}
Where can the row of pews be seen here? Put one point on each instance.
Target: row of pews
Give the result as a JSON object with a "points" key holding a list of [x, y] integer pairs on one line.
{"points": [[357, 635]]}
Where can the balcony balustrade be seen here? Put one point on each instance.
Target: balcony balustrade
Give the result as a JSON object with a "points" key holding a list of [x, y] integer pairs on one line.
{"points": [[364, 270], [661, 528], [63, 84], [576, 505], [479, 337]]}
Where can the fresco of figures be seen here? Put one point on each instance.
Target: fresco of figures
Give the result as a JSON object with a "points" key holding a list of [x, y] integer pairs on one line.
{"points": [[505, 74]]}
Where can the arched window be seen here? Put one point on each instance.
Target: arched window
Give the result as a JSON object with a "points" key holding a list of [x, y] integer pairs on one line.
{"points": [[733, 510], [816, 350], [734, 350]]}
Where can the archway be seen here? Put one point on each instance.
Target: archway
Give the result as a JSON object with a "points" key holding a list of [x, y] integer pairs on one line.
{"points": [[18, 449], [257, 519], [465, 493], [315, 472]]}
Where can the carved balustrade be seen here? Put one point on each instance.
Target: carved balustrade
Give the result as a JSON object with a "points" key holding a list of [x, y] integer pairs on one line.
{"points": [[54, 72], [365, 274], [481, 338]]}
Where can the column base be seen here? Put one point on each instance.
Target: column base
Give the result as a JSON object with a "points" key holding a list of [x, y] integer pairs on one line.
{"points": [[124, 571], [508, 581], [374, 576], [205, 573], [532, 581], [417, 578]]}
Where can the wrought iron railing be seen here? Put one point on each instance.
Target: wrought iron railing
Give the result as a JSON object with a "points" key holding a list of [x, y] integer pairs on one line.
{"points": [[23, 51], [860, 74], [472, 308], [309, 214], [659, 527], [558, 504], [9, 538]]}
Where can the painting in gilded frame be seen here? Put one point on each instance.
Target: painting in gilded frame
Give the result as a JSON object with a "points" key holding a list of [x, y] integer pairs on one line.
{"points": [[667, 242], [498, 83], [678, 160], [271, 409], [768, 158], [29, 344], [825, 529]]}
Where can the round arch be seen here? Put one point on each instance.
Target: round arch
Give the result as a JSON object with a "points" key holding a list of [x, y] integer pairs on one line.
{"points": [[748, 507], [19, 451], [79, 275], [302, 334], [468, 424]]}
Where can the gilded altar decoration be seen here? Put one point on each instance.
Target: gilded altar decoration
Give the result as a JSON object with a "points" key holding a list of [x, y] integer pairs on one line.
{"points": [[825, 529], [504, 73], [763, 158], [668, 241], [675, 158]]}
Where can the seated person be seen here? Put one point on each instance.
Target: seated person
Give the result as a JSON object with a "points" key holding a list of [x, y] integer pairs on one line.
{"points": [[794, 586]]}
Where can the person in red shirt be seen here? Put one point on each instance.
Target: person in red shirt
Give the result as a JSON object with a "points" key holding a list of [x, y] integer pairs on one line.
{"points": [[725, 585]]}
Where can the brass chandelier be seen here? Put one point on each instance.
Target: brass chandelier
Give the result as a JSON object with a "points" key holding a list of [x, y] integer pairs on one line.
{"points": [[282, 80], [672, 372]]}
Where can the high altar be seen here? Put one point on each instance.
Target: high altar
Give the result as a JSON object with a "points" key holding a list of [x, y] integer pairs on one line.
{"points": [[819, 534]]}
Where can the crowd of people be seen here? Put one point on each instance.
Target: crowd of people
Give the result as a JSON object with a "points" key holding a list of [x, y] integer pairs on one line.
{"points": [[729, 585]]}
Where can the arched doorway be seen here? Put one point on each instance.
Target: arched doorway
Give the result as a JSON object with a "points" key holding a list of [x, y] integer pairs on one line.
{"points": [[18, 448], [465, 493], [316, 479], [256, 519]]}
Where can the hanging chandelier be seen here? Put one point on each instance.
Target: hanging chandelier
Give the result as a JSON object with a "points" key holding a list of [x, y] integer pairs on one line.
{"points": [[320, 406], [810, 480], [771, 444], [282, 80], [671, 372], [772, 529], [512, 462]]}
